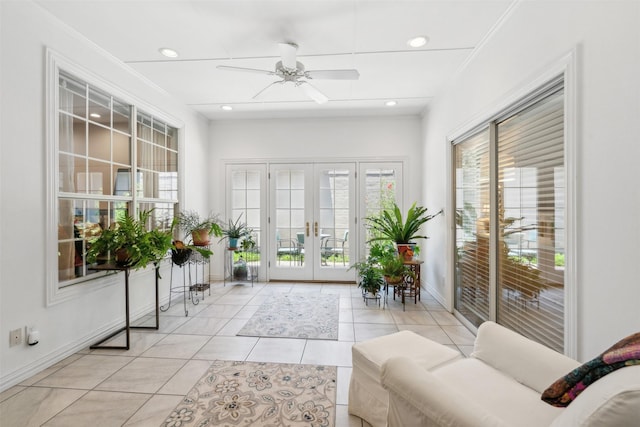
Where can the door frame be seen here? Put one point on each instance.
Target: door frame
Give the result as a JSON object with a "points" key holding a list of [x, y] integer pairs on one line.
{"points": [[310, 267], [356, 243]]}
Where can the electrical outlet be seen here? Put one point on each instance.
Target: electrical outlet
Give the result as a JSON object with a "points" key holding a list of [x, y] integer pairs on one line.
{"points": [[15, 337]]}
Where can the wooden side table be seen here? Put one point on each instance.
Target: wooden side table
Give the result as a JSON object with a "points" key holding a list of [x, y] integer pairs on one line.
{"points": [[410, 286]]}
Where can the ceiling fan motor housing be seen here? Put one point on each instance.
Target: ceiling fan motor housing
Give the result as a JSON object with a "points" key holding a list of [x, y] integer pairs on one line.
{"points": [[289, 74]]}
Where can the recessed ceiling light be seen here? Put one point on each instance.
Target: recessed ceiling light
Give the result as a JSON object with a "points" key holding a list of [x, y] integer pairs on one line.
{"points": [[169, 53], [390, 103], [227, 107], [418, 41], [95, 115]]}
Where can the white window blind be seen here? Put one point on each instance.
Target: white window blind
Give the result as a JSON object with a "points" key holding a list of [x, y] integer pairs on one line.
{"points": [[510, 180], [531, 200], [472, 227]]}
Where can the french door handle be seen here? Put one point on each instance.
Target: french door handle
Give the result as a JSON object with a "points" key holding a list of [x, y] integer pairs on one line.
{"points": [[307, 229], [315, 228]]}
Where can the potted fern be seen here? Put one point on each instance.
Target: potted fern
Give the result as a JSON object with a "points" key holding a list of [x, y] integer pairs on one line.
{"points": [[128, 243], [370, 278]]}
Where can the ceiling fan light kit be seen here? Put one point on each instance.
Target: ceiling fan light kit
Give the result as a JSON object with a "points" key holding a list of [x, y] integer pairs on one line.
{"points": [[291, 70]]}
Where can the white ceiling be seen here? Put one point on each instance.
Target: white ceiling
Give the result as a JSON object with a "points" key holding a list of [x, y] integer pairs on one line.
{"points": [[368, 35]]}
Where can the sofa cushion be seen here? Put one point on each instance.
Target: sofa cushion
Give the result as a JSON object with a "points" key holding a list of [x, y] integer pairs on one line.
{"points": [[625, 352], [498, 394]]}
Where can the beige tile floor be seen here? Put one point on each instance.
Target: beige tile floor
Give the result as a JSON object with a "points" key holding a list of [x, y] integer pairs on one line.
{"points": [[140, 386]]}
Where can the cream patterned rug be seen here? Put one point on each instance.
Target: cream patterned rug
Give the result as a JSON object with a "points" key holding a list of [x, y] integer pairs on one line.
{"points": [[259, 394], [311, 316]]}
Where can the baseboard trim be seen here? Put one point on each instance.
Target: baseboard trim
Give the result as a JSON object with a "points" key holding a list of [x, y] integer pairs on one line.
{"points": [[55, 356]]}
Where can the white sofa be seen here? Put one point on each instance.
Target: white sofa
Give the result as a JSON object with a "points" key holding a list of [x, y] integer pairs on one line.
{"points": [[500, 385], [367, 399]]}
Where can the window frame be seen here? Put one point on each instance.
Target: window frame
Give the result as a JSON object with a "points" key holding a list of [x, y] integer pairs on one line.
{"points": [[563, 69], [55, 62]]}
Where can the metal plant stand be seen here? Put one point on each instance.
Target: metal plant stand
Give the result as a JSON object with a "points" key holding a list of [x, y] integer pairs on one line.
{"points": [[127, 326], [189, 288]]}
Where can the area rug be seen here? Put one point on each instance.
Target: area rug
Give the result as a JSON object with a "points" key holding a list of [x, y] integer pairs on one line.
{"points": [[259, 394], [311, 316]]}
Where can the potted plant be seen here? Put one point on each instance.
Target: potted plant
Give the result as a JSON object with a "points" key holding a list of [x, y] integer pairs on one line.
{"points": [[234, 231], [369, 277], [393, 268], [248, 243], [390, 225], [180, 253], [128, 243], [200, 229]]}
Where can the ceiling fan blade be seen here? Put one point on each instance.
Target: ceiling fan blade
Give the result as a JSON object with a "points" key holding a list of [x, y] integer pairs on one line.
{"points": [[288, 54], [265, 89], [333, 74], [246, 70], [312, 92]]}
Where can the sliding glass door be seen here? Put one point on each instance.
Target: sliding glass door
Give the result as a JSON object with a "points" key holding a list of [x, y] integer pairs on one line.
{"points": [[472, 284], [510, 214]]}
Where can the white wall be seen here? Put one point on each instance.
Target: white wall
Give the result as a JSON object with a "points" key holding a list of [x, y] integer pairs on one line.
{"points": [[380, 138], [26, 31], [606, 38]]}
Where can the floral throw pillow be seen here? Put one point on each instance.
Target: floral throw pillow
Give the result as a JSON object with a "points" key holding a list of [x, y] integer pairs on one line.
{"points": [[625, 352]]}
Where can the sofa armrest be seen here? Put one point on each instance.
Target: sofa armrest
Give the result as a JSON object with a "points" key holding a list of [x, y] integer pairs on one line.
{"points": [[612, 401], [526, 361], [417, 397]]}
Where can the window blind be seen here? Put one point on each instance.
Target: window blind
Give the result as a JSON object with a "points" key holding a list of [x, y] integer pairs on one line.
{"points": [[472, 202], [530, 212]]}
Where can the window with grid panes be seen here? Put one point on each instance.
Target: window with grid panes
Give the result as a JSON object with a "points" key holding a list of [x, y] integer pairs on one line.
{"points": [[98, 182]]}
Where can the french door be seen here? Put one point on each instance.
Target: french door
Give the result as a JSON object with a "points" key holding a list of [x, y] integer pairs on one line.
{"points": [[312, 221]]}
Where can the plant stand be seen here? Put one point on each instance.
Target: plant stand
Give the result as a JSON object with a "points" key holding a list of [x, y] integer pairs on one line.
{"points": [[189, 287], [201, 282], [127, 327], [232, 271], [410, 286], [368, 296]]}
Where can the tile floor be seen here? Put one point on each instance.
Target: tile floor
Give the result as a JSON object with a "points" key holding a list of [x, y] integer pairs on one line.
{"points": [[140, 386]]}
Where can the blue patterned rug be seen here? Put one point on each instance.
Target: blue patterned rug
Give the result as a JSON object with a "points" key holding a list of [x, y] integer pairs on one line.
{"points": [[259, 394], [310, 316]]}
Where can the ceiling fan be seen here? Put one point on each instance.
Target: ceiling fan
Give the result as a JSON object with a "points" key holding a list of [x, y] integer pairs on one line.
{"points": [[290, 70]]}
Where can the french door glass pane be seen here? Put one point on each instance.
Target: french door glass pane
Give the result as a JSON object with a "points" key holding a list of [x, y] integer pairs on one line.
{"points": [[531, 198], [472, 201], [245, 202], [380, 192], [333, 230], [290, 215]]}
